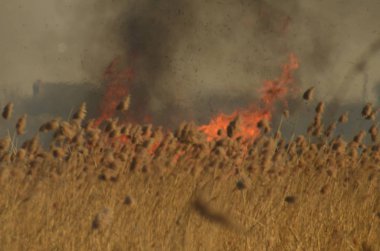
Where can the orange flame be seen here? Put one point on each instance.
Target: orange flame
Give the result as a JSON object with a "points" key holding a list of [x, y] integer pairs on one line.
{"points": [[272, 91], [248, 128], [118, 83], [277, 90], [117, 87], [153, 148]]}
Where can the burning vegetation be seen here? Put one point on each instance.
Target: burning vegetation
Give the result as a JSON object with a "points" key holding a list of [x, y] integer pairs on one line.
{"points": [[121, 172], [241, 123], [117, 185]]}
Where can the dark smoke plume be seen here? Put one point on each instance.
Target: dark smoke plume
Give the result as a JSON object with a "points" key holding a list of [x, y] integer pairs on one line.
{"points": [[192, 59], [152, 32]]}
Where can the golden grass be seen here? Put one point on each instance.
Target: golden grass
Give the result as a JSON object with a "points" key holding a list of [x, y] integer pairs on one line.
{"points": [[131, 187]]}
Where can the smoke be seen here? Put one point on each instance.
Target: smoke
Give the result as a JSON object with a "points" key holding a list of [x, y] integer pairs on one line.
{"points": [[55, 41], [192, 58], [196, 58]]}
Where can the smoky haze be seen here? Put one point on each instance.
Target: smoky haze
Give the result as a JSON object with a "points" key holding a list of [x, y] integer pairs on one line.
{"points": [[192, 58]]}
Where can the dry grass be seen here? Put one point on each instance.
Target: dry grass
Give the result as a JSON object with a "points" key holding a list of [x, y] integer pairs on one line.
{"points": [[132, 187]]}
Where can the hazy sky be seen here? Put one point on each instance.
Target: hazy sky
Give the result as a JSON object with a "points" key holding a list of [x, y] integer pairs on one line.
{"points": [[226, 47], [54, 41]]}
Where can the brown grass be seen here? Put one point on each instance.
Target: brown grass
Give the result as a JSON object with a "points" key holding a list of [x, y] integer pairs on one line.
{"points": [[134, 187], [21, 125], [8, 111]]}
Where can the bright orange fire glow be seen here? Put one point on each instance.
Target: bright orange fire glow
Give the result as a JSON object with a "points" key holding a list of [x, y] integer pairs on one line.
{"points": [[119, 81], [272, 91], [248, 128], [153, 148]]}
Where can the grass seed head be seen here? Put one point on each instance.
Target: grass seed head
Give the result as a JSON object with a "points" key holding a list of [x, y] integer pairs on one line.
{"points": [[21, 154], [308, 94], [5, 143], [81, 113], [330, 129], [343, 118], [50, 126], [7, 111], [373, 130], [264, 125], [32, 145], [367, 111], [359, 137], [124, 104], [21, 125], [320, 108]]}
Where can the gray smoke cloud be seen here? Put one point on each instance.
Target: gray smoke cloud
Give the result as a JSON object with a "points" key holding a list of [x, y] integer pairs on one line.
{"points": [[192, 58]]}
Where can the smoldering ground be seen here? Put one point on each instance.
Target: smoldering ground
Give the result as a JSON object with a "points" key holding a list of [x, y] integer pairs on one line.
{"points": [[191, 59]]}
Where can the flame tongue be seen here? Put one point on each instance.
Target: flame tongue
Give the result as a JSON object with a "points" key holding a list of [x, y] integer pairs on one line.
{"points": [[117, 87], [247, 128], [272, 91], [277, 90], [241, 123]]}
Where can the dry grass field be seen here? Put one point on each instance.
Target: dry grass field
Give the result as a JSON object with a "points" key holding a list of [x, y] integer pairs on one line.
{"points": [[121, 186]]}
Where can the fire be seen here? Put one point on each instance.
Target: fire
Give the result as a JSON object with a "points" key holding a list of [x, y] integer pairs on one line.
{"points": [[248, 128], [272, 91], [118, 83], [117, 87], [153, 148], [277, 90]]}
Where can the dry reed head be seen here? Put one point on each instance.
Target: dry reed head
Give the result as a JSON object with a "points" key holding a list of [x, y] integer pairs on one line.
{"points": [[368, 112], [330, 129], [89, 124], [21, 125], [111, 124], [7, 111], [309, 130], [233, 127], [343, 118], [359, 137], [317, 120], [92, 136], [373, 130], [81, 113], [124, 104], [320, 108], [339, 145], [5, 143], [308, 94], [67, 130], [50, 126], [317, 131], [78, 139], [32, 145], [264, 125], [21, 154]]}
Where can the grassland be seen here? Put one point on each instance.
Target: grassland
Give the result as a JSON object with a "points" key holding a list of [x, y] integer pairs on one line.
{"points": [[121, 186]]}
